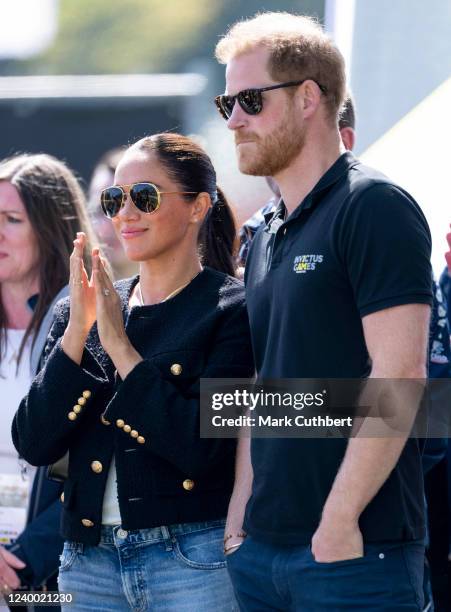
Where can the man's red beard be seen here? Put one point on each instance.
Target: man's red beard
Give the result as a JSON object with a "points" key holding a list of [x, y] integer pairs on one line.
{"points": [[272, 153]]}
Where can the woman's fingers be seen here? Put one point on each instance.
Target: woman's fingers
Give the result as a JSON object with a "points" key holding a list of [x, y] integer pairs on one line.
{"points": [[105, 276], [102, 281], [12, 560], [77, 269]]}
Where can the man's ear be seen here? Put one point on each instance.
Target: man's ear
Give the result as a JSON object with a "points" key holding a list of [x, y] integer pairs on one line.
{"points": [[348, 137], [200, 207], [310, 96]]}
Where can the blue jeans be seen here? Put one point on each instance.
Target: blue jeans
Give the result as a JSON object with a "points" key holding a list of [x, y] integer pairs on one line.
{"points": [[388, 578], [180, 568]]}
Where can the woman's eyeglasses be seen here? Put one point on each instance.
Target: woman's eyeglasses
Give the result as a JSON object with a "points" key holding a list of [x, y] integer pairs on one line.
{"points": [[145, 196], [251, 100]]}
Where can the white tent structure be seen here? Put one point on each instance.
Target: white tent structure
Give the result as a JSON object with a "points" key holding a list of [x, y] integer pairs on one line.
{"points": [[416, 153]]}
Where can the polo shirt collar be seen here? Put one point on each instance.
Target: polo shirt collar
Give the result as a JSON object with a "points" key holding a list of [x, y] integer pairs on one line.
{"points": [[275, 218], [338, 169]]}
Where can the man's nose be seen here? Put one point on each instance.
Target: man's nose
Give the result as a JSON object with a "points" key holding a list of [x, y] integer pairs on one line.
{"points": [[238, 118]]}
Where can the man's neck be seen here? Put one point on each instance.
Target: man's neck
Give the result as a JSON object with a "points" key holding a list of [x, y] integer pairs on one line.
{"points": [[316, 157]]}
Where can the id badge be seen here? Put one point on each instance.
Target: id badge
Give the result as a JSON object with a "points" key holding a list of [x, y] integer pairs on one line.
{"points": [[14, 498]]}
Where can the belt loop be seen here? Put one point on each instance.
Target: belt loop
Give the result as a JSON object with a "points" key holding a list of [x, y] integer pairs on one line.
{"points": [[167, 538]]}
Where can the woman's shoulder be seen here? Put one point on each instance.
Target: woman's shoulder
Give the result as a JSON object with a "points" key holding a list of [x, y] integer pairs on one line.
{"points": [[124, 285], [61, 307], [229, 288]]}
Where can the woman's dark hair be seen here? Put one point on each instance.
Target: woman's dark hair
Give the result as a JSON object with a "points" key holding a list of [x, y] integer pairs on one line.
{"points": [[56, 207], [189, 165]]}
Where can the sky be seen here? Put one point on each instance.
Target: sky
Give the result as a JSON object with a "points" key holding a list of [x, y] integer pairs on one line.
{"points": [[27, 27]]}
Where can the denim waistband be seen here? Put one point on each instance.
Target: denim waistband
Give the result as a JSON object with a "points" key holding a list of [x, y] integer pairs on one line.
{"points": [[109, 534]]}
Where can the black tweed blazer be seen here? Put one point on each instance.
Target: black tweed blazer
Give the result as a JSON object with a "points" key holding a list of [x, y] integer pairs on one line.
{"points": [[149, 422]]}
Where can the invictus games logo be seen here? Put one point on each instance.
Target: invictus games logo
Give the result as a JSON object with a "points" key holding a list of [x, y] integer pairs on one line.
{"points": [[305, 263]]}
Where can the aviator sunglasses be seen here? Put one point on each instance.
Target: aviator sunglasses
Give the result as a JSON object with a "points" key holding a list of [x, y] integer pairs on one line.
{"points": [[145, 196], [251, 100]]}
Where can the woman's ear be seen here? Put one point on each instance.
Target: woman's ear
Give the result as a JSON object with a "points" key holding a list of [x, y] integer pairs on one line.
{"points": [[200, 207]]}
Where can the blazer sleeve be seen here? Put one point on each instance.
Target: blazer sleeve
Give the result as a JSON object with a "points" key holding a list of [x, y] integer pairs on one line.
{"points": [[40, 545], [45, 422], [164, 419]]}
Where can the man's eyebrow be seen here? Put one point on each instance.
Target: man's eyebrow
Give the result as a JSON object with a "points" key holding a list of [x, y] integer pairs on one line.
{"points": [[17, 212]]}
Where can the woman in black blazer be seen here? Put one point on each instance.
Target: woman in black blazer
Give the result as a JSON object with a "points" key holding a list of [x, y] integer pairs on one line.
{"points": [[145, 499]]}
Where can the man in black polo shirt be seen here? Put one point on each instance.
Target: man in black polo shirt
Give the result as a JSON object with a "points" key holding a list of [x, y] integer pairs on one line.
{"points": [[338, 285], [346, 126]]}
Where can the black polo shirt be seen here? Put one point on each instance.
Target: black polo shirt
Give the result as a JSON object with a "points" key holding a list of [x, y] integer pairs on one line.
{"points": [[355, 245]]}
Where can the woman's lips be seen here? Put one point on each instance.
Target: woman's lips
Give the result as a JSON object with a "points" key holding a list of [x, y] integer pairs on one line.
{"points": [[132, 233]]}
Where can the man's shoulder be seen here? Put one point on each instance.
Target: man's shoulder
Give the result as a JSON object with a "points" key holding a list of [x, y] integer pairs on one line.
{"points": [[367, 183], [368, 191]]}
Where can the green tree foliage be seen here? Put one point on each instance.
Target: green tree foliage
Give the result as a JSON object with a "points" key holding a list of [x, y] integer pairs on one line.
{"points": [[132, 36], [119, 36]]}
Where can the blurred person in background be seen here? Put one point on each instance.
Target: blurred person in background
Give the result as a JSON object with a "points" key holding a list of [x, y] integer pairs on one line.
{"points": [[41, 207], [438, 479], [145, 499], [103, 176], [445, 279]]}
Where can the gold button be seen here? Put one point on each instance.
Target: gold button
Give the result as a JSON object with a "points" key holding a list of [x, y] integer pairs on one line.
{"points": [[120, 423], [140, 440], [96, 467], [87, 523], [77, 409], [188, 484], [81, 401], [104, 421], [134, 433], [72, 416], [127, 428], [62, 497], [86, 394], [176, 369]]}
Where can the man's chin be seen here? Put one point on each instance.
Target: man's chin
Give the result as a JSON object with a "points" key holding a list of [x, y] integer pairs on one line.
{"points": [[252, 169]]}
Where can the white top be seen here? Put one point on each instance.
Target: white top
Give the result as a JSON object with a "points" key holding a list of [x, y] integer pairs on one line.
{"points": [[110, 509], [15, 485], [13, 387]]}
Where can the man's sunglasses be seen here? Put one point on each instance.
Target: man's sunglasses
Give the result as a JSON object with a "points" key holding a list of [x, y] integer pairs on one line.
{"points": [[251, 100], [145, 196]]}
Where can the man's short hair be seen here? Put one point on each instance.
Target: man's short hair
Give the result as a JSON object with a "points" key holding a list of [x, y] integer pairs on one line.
{"points": [[299, 48], [347, 114]]}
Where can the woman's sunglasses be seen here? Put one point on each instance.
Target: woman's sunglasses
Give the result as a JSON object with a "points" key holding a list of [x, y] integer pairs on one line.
{"points": [[145, 196], [251, 100]]}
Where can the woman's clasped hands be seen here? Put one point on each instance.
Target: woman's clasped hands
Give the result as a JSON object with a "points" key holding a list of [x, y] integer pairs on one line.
{"points": [[92, 300]]}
